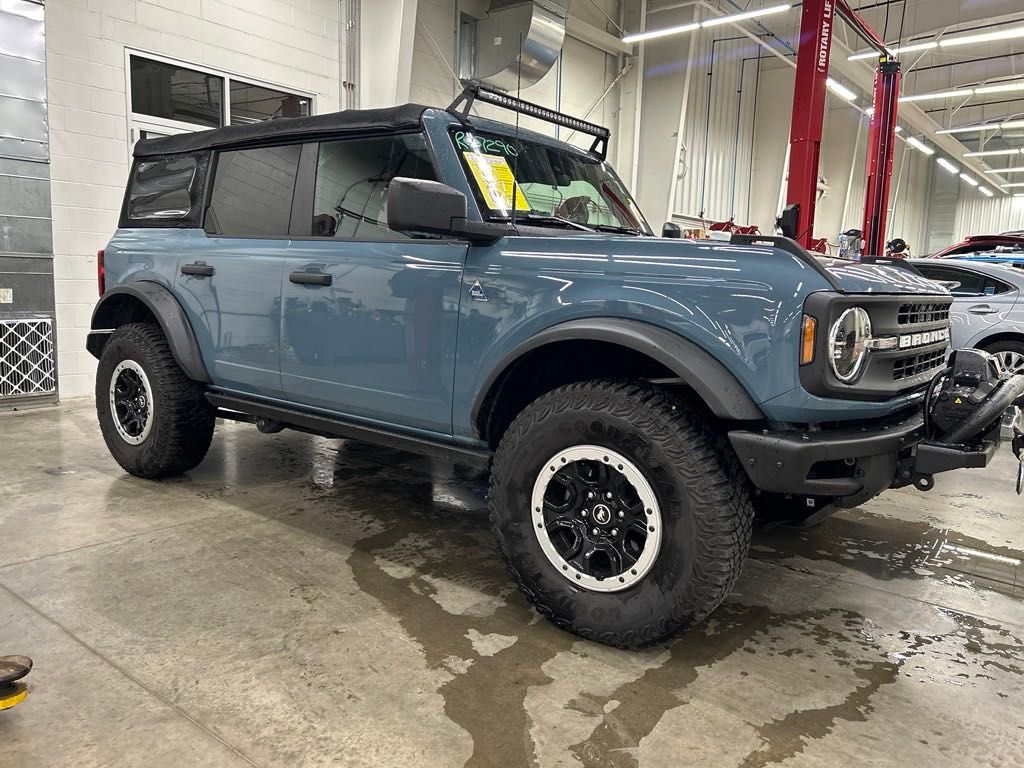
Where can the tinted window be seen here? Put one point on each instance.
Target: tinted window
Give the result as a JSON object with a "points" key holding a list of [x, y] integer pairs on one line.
{"points": [[162, 189], [252, 191], [176, 93], [351, 183], [970, 283], [253, 103]]}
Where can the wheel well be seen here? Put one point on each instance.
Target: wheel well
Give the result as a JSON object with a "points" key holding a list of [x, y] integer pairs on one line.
{"points": [[557, 364], [121, 309], [995, 338]]}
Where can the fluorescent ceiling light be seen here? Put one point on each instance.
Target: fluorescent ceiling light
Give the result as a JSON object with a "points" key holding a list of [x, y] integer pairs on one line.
{"points": [[969, 179], [937, 95], [712, 22], [640, 36], [1003, 34], [949, 166], [1015, 184], [899, 129], [747, 15], [994, 152], [841, 90], [985, 191], [920, 146], [1018, 169], [901, 49], [1001, 88]]}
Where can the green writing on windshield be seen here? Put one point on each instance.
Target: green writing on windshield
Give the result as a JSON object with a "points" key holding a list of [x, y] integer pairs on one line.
{"points": [[469, 142]]}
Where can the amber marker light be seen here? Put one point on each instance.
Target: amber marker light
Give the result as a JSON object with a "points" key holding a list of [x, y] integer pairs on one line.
{"points": [[808, 333]]}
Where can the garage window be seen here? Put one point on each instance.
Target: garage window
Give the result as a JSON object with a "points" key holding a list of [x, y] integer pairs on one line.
{"points": [[252, 192]]}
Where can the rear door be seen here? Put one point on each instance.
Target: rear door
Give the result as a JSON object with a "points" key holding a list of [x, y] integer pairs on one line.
{"points": [[229, 277], [980, 301], [370, 315]]}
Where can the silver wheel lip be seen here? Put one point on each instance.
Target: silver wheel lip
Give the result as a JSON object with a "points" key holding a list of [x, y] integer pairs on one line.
{"points": [[652, 545], [1011, 361], [131, 365]]}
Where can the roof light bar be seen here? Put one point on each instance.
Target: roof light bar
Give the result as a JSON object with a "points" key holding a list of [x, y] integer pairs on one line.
{"points": [[986, 191], [920, 146], [949, 166], [479, 92], [995, 152], [841, 90], [712, 22], [969, 179]]}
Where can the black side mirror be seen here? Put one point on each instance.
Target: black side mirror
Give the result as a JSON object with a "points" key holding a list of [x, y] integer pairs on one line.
{"points": [[416, 205], [788, 222], [672, 230]]}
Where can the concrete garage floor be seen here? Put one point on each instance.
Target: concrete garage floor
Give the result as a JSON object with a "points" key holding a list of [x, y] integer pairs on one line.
{"points": [[304, 602]]}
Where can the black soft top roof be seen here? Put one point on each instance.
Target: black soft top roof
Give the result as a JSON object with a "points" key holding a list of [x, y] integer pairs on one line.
{"points": [[406, 116]]}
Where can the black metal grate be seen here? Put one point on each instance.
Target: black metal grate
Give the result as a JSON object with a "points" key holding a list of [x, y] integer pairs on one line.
{"points": [[912, 314], [26, 358], [915, 365]]}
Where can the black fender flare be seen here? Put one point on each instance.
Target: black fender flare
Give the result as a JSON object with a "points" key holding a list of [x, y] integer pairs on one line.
{"points": [[168, 312], [697, 368]]}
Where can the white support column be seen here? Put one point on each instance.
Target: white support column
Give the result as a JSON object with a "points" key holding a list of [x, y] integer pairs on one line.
{"points": [[387, 29]]}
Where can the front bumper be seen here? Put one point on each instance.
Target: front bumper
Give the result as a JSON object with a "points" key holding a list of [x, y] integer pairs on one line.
{"points": [[850, 465]]}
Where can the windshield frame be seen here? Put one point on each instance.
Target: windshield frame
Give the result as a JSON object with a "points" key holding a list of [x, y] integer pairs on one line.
{"points": [[492, 136]]}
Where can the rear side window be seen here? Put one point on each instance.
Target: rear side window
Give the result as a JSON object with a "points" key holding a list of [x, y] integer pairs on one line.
{"points": [[165, 191], [970, 283], [252, 192]]}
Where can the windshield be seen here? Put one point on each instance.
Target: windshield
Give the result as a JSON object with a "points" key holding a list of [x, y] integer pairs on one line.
{"points": [[553, 186]]}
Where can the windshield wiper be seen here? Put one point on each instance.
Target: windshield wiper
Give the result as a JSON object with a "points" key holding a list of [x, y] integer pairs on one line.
{"points": [[615, 228], [550, 218]]}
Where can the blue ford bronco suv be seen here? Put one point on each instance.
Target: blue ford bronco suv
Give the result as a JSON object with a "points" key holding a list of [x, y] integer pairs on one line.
{"points": [[430, 280]]}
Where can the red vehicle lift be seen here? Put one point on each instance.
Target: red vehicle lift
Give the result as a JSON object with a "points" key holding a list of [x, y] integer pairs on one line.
{"points": [[817, 22]]}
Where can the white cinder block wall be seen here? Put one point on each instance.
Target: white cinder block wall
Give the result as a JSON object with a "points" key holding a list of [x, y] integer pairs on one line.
{"points": [[291, 44]]}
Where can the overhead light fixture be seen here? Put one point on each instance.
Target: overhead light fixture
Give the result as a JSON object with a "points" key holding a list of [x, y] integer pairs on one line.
{"points": [[901, 49], [899, 129], [950, 166], [969, 179], [1018, 169], [985, 127], [641, 36], [985, 37], [986, 191], [1001, 88], [712, 22], [938, 95], [920, 146], [841, 90], [1015, 184], [994, 152]]}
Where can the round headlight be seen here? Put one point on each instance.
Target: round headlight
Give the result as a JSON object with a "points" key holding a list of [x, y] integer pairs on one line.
{"points": [[848, 344]]}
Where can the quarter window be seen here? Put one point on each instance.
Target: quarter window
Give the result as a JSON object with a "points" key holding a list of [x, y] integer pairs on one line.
{"points": [[162, 189], [252, 192], [970, 283], [352, 180]]}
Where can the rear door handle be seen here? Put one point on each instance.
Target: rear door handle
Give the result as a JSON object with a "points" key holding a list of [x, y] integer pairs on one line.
{"points": [[197, 270], [982, 309], [311, 278]]}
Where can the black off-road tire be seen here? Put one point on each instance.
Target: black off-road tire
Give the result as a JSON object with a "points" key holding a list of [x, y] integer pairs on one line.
{"points": [[702, 492], [183, 420]]}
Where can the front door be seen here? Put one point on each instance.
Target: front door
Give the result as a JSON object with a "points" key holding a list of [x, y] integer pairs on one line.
{"points": [[229, 277], [370, 315]]}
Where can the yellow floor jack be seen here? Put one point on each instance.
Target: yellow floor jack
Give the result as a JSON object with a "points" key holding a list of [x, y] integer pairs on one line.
{"points": [[12, 690]]}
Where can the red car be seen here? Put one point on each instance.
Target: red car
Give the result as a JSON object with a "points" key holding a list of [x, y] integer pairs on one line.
{"points": [[982, 243]]}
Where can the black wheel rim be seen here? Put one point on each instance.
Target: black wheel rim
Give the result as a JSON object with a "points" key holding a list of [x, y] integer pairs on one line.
{"points": [[131, 402]]}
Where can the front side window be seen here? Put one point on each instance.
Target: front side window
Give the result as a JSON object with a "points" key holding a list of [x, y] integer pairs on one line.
{"points": [[252, 192], [545, 185], [352, 179]]}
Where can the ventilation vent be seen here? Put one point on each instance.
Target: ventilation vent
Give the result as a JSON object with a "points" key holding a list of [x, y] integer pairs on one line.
{"points": [[26, 358]]}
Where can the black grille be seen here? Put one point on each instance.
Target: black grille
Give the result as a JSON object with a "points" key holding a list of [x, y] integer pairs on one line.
{"points": [[915, 365], [912, 314]]}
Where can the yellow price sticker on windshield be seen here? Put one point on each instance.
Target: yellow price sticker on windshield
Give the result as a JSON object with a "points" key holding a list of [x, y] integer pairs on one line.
{"points": [[496, 181]]}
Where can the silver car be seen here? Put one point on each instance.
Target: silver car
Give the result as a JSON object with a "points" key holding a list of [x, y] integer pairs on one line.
{"points": [[987, 311]]}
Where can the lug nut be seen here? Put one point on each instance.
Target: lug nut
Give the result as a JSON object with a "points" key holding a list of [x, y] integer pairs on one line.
{"points": [[615, 531], [590, 494], [583, 513], [621, 514], [608, 495], [595, 532]]}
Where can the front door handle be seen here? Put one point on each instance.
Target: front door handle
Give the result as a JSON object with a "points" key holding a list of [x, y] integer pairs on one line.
{"points": [[197, 270], [982, 309], [311, 278]]}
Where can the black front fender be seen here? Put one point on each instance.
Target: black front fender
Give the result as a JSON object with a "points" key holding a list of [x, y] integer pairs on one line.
{"points": [[122, 304]]}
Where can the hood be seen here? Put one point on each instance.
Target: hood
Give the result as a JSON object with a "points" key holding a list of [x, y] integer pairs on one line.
{"points": [[861, 277]]}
